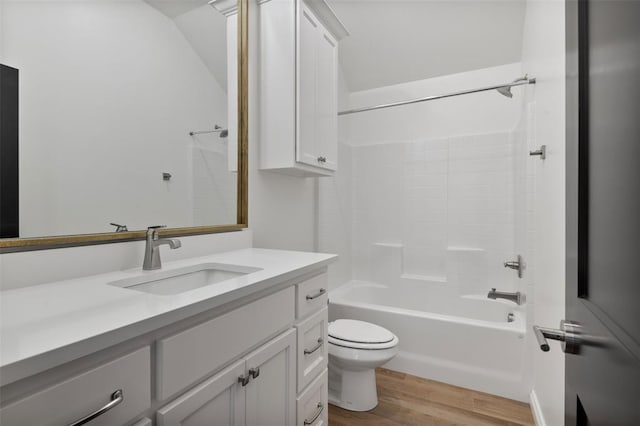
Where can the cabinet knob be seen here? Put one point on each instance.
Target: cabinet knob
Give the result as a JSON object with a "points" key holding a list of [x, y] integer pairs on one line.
{"points": [[244, 380], [254, 372], [322, 159]]}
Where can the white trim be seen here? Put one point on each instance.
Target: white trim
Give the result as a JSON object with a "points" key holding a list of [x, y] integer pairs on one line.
{"points": [[325, 13], [226, 7], [538, 417]]}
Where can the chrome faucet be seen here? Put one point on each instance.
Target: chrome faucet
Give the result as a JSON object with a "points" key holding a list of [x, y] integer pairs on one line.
{"points": [[516, 297], [152, 249]]}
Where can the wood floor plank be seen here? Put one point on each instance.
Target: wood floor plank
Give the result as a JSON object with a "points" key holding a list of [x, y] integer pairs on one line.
{"points": [[429, 390], [514, 411], [413, 401]]}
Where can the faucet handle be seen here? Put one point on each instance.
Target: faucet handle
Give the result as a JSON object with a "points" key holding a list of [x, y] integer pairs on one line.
{"points": [[153, 231]]}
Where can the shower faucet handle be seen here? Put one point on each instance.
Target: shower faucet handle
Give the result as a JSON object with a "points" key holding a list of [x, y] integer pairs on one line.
{"points": [[517, 265], [542, 152]]}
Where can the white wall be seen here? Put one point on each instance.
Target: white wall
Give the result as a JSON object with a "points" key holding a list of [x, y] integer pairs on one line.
{"points": [[480, 113], [335, 202], [392, 42], [109, 92], [544, 58]]}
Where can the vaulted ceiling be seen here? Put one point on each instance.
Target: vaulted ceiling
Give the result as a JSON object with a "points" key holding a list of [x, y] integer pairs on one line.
{"points": [[204, 28], [395, 41]]}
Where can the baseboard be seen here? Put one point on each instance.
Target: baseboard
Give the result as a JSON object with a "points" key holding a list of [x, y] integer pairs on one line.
{"points": [[536, 410]]}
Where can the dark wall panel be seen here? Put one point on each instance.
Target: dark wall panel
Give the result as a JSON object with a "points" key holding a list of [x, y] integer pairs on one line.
{"points": [[9, 196]]}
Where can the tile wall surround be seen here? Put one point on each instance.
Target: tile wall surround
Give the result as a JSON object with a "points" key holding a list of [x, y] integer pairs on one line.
{"points": [[432, 196], [437, 178], [214, 198]]}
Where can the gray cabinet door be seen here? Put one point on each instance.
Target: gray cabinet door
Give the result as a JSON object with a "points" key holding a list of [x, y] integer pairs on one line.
{"points": [[219, 401], [603, 211], [271, 394]]}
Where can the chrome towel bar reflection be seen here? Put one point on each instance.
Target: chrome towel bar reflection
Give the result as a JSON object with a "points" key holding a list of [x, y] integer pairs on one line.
{"points": [[503, 89], [216, 129]]}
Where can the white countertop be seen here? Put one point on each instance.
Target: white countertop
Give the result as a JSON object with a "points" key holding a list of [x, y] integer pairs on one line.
{"points": [[46, 325]]}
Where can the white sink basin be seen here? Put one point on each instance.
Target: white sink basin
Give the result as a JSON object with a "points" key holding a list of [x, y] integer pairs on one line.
{"points": [[180, 280]]}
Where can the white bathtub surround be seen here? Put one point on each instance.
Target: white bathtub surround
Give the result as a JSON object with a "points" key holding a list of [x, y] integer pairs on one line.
{"points": [[433, 223], [429, 195], [46, 325], [466, 341]]}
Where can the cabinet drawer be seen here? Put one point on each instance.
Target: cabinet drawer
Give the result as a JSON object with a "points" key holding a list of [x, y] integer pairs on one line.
{"points": [[311, 295], [193, 354], [312, 405], [73, 399], [313, 353]]}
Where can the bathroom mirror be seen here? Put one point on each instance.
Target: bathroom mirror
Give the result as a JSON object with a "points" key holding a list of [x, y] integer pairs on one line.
{"points": [[121, 114]]}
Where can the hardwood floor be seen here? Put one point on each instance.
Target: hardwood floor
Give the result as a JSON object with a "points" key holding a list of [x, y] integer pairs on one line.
{"points": [[404, 399]]}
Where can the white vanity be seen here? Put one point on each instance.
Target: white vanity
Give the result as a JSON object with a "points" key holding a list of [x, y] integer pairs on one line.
{"points": [[249, 349]]}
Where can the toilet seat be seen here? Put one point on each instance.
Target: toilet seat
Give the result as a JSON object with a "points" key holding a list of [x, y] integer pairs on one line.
{"points": [[360, 335]]}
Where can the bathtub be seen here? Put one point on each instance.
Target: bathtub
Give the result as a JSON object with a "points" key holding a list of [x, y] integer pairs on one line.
{"points": [[467, 341]]}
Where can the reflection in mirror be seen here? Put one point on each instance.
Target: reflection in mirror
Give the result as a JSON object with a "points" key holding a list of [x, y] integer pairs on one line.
{"points": [[127, 115]]}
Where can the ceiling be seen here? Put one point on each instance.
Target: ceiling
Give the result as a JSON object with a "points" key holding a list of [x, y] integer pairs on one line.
{"points": [[204, 28], [396, 41]]}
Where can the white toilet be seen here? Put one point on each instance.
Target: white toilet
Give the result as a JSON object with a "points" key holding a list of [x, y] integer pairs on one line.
{"points": [[356, 348]]}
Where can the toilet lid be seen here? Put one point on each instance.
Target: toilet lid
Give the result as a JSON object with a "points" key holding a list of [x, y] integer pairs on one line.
{"points": [[359, 331]]}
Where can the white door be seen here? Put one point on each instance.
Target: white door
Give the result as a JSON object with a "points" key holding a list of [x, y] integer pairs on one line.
{"points": [[326, 100], [271, 394], [218, 401], [307, 60]]}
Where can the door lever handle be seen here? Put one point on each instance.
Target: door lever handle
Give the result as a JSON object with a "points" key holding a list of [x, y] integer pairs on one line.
{"points": [[568, 334]]}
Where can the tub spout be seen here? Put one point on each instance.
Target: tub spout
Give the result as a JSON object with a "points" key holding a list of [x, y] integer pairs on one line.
{"points": [[516, 297]]}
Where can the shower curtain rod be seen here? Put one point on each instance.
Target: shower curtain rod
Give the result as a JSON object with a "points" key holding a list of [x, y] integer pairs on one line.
{"points": [[519, 82]]}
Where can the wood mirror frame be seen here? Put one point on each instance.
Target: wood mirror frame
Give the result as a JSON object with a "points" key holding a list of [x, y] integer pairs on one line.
{"points": [[10, 245]]}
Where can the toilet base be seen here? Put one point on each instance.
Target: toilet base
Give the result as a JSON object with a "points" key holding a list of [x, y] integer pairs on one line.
{"points": [[353, 390]]}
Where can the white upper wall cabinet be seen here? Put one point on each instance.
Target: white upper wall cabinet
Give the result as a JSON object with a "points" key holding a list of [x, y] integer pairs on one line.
{"points": [[299, 87]]}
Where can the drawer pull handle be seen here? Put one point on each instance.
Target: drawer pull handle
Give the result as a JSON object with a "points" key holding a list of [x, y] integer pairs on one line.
{"points": [[244, 380], [116, 398], [316, 415], [315, 348], [254, 372], [318, 294]]}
